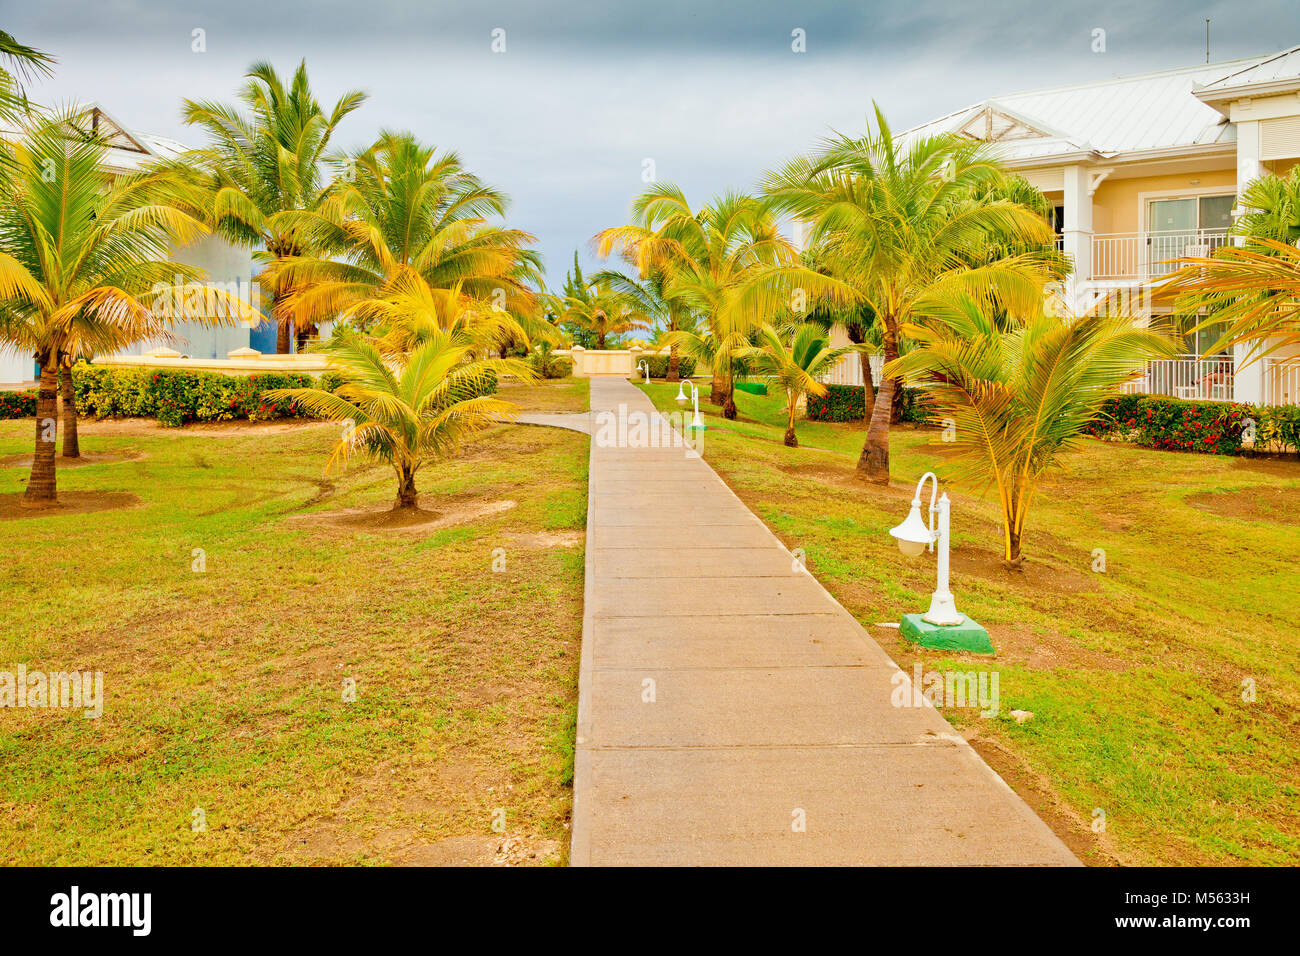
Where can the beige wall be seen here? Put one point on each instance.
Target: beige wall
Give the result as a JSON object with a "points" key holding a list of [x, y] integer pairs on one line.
{"points": [[1116, 206]]}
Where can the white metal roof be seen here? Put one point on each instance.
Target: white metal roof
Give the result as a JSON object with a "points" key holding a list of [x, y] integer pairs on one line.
{"points": [[1279, 66], [128, 149], [1150, 111]]}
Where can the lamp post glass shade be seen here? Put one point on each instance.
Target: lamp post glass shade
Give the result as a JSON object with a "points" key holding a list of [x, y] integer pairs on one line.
{"points": [[913, 535], [681, 392]]}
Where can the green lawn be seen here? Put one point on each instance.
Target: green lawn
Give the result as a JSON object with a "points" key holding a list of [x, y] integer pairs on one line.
{"points": [[224, 689], [1134, 676]]}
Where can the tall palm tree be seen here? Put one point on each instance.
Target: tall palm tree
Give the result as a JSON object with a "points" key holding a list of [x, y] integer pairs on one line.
{"points": [[794, 358], [407, 416], [1020, 393], [898, 219], [19, 64], [81, 263], [264, 166], [402, 216], [727, 262]]}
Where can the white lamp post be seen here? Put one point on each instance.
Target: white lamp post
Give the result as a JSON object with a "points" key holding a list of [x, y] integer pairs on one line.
{"points": [[645, 366], [914, 536], [681, 393], [697, 423]]}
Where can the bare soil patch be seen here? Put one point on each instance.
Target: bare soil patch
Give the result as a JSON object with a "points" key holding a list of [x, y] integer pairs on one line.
{"points": [[235, 429], [24, 459], [70, 503], [1251, 504], [404, 519], [549, 539]]}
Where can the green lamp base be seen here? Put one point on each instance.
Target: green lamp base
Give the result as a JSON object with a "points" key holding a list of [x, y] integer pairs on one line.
{"points": [[966, 636]]}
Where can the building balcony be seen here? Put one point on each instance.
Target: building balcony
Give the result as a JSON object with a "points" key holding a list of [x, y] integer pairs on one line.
{"points": [[1145, 256]]}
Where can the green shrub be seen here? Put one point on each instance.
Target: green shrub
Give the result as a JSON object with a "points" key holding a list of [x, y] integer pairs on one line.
{"points": [[753, 388], [1173, 424], [659, 365], [1277, 428], [547, 364], [846, 403], [175, 396], [17, 404], [841, 403]]}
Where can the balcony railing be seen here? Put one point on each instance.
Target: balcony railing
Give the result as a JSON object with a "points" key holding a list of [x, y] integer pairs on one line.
{"points": [[1144, 256], [1282, 381], [848, 370], [1189, 376]]}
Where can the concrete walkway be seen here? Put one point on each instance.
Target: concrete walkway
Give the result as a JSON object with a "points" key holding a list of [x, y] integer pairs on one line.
{"points": [[732, 712]]}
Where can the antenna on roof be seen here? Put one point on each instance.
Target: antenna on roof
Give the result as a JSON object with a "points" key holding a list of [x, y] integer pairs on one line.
{"points": [[1207, 39]]}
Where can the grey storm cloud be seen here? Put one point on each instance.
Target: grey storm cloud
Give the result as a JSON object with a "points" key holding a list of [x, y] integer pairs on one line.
{"points": [[586, 92]]}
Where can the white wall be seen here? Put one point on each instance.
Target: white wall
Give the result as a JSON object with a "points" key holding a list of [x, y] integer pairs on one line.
{"points": [[224, 263], [16, 367]]}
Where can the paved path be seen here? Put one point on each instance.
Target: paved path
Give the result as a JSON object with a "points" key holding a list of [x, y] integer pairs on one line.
{"points": [[771, 704]]}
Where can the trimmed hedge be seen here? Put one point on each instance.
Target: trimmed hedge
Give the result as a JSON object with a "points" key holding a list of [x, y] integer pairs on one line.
{"points": [[1209, 428], [177, 397], [846, 403], [17, 404], [753, 388], [659, 365]]}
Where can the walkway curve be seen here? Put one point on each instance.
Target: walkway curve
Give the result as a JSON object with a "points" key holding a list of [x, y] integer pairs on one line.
{"points": [[730, 711]]}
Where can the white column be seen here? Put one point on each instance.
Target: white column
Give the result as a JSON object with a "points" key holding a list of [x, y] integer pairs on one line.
{"points": [[1077, 233], [1249, 165], [1247, 381]]}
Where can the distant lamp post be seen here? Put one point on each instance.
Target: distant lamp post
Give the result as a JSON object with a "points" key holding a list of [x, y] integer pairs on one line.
{"points": [[697, 423], [645, 367], [941, 627]]}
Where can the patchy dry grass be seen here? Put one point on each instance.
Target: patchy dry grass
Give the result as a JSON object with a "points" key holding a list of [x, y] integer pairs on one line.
{"points": [[1135, 676], [556, 395], [224, 689]]}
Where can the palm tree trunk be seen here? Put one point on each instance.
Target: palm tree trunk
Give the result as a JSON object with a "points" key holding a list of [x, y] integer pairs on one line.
{"points": [[857, 337], [873, 463], [674, 360], [42, 490], [790, 440], [407, 496], [868, 387], [71, 446], [717, 388]]}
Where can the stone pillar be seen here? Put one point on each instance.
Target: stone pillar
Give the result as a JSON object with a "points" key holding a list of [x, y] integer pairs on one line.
{"points": [[578, 354]]}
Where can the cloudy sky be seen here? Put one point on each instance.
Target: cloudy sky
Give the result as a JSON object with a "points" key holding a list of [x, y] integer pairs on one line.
{"points": [[584, 93]]}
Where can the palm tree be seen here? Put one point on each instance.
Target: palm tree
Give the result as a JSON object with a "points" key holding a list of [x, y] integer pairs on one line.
{"points": [[19, 64], [794, 359], [81, 261], [897, 220], [420, 411], [1020, 393], [663, 311], [405, 217], [607, 304], [726, 262], [1253, 289], [263, 167]]}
